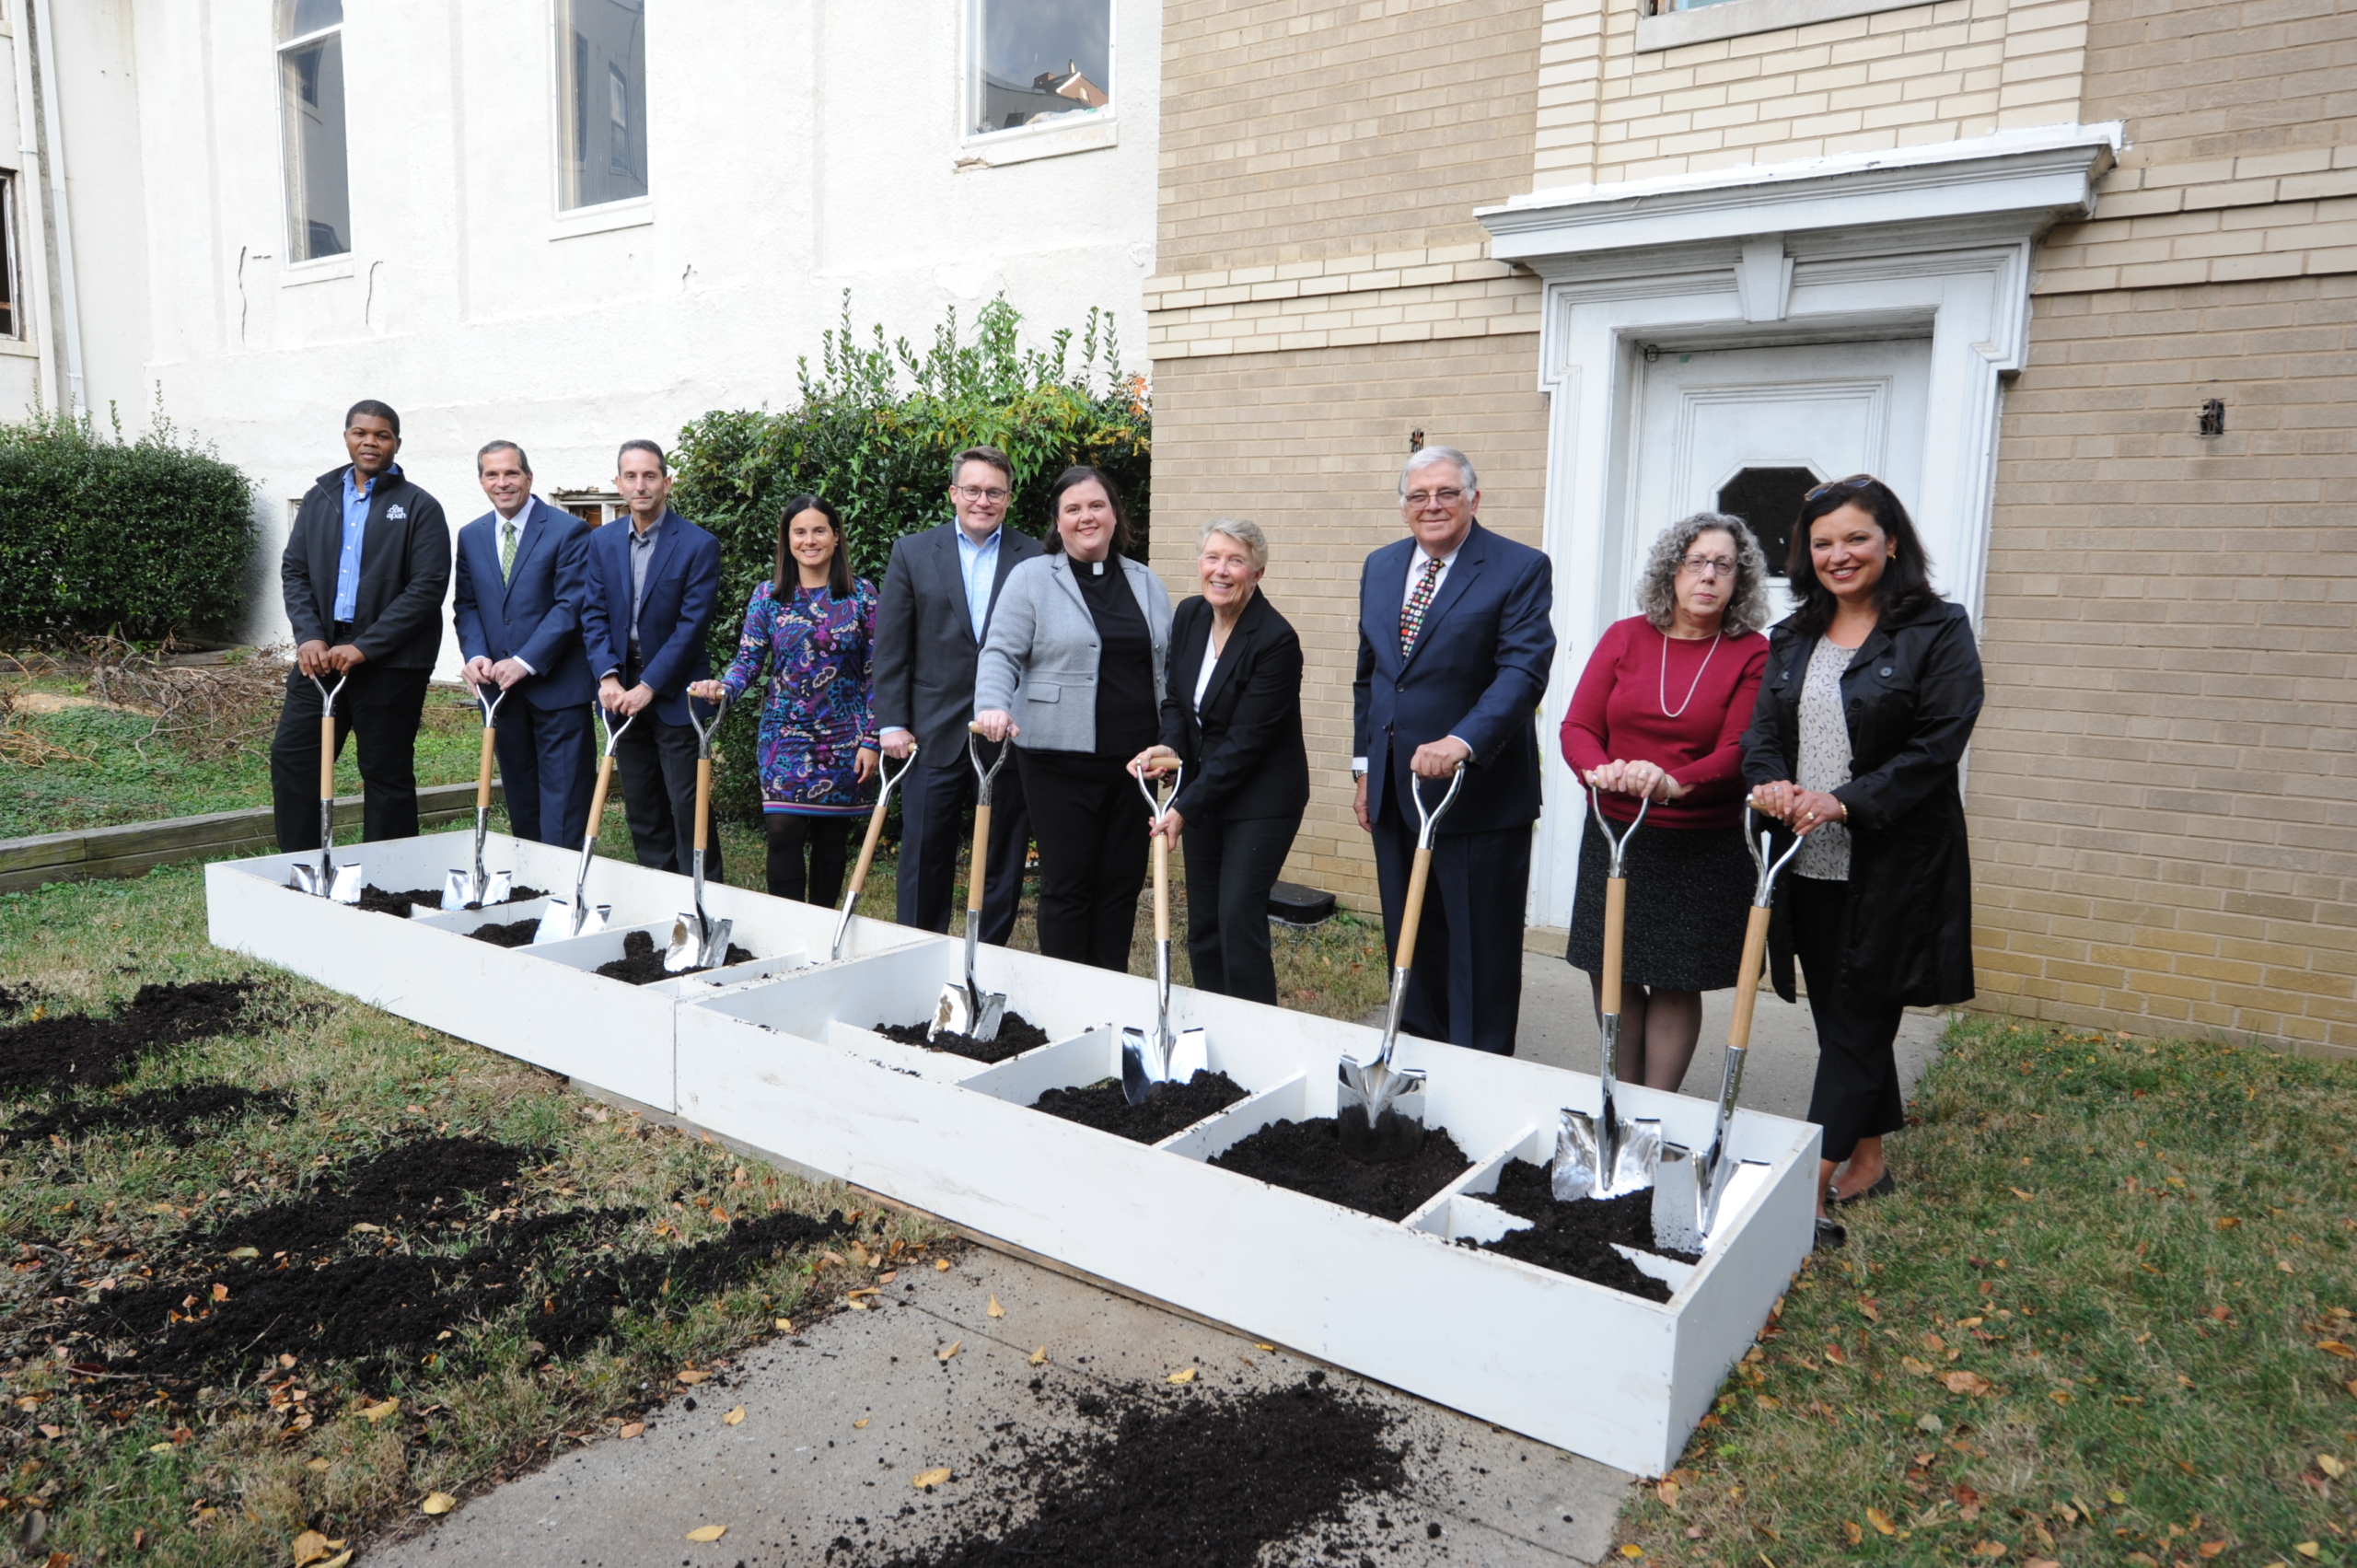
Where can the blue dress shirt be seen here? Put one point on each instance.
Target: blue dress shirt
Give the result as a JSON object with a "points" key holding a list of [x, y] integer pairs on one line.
{"points": [[978, 565], [356, 531]]}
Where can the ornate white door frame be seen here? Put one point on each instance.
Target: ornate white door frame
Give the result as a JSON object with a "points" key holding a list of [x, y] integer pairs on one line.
{"points": [[1933, 240]]}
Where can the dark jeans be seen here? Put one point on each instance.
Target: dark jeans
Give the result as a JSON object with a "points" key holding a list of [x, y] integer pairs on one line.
{"points": [[1230, 868], [547, 766], [1466, 984], [1091, 823], [657, 764], [1857, 1071], [825, 839], [936, 840], [379, 708]]}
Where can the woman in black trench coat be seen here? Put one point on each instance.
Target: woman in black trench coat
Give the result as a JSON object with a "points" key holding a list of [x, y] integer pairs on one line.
{"points": [[1869, 695]]}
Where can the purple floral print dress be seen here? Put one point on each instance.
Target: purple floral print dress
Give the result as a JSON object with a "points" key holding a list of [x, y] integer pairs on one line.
{"points": [[816, 716]]}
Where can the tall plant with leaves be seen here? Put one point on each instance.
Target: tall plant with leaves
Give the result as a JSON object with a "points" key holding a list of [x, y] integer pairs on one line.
{"points": [[874, 429]]}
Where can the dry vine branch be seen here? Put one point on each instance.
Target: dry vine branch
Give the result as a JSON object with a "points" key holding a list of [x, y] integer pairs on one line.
{"points": [[205, 710]]}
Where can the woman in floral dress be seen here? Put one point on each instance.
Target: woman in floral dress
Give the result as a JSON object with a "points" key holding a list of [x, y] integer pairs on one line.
{"points": [[816, 752]]}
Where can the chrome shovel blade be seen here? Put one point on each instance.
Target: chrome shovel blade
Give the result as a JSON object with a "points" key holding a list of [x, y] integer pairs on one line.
{"points": [[697, 944], [1578, 1169], [344, 888], [1189, 1054], [1677, 1200], [564, 920], [458, 891], [1379, 1111], [1640, 1154], [957, 1014], [1138, 1078]]}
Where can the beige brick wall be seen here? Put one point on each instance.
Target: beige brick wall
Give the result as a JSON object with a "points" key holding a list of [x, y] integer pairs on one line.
{"points": [[2164, 786], [1308, 445]]}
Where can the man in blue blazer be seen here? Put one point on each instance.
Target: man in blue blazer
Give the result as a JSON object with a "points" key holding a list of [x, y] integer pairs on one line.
{"points": [[1454, 645], [653, 586], [522, 568]]}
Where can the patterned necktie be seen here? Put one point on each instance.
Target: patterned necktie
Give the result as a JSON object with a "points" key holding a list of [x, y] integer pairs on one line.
{"points": [[507, 548], [1411, 614]]}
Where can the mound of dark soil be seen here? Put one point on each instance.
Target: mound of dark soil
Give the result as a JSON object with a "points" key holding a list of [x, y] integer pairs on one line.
{"points": [[1307, 1157], [515, 934], [79, 1048], [15, 998], [1576, 1238], [1203, 1479], [642, 961], [378, 901], [1174, 1106], [406, 1186], [1017, 1034], [178, 1113], [585, 1301]]}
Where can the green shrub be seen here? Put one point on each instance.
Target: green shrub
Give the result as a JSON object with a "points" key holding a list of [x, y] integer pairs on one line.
{"points": [[143, 539], [873, 431]]}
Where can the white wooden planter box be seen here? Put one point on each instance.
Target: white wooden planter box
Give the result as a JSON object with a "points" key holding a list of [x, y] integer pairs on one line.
{"points": [[788, 1064]]}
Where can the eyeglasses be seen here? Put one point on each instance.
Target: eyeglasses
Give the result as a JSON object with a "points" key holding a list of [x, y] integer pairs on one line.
{"points": [[1420, 499], [1706, 566], [991, 493], [1854, 480]]}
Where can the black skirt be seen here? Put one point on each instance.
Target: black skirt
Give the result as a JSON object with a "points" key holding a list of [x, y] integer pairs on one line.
{"points": [[1690, 894]]}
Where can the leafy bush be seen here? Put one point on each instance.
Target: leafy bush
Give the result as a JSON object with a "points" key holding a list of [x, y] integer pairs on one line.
{"points": [[142, 538], [873, 431]]}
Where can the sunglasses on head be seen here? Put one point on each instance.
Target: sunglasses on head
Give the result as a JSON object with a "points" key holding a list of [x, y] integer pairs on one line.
{"points": [[1857, 480]]}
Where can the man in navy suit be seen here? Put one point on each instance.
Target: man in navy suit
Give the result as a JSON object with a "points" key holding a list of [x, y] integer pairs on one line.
{"points": [[522, 567], [653, 586], [1455, 643]]}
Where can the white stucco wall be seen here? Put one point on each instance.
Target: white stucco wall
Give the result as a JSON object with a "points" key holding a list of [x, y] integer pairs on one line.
{"points": [[796, 148]]}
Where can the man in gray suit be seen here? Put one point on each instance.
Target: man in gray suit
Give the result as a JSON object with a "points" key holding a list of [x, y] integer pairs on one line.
{"points": [[938, 594]]}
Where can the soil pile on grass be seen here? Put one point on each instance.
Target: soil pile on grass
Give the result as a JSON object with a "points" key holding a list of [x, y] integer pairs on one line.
{"points": [[179, 1113], [1576, 1238], [580, 1306], [1017, 1034], [1173, 1106], [1307, 1157], [15, 998], [78, 1049], [378, 901], [515, 934], [407, 1186], [642, 961], [1203, 1479]]}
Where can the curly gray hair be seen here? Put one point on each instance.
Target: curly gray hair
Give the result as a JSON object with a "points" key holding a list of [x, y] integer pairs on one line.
{"points": [[1746, 608]]}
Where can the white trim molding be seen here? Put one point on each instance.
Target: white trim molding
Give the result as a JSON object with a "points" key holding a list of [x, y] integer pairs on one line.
{"points": [[1740, 19], [1918, 242]]}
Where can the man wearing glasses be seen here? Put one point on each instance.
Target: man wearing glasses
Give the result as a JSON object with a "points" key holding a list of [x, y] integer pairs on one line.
{"points": [[930, 621], [1455, 642]]}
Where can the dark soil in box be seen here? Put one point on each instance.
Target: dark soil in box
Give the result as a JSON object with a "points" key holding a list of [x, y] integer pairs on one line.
{"points": [[1576, 1238], [74, 1049], [1017, 1034], [642, 961], [378, 902], [181, 1114], [1174, 1106], [515, 934], [1306, 1156]]}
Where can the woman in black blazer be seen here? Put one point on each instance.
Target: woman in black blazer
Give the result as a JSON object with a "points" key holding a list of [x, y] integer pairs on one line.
{"points": [[1231, 714]]}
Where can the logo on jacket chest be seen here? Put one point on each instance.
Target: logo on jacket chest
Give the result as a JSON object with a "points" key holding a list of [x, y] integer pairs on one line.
{"points": [[396, 513]]}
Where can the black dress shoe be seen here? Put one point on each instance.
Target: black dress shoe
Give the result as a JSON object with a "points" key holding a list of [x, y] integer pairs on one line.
{"points": [[1831, 1236], [1881, 1186]]}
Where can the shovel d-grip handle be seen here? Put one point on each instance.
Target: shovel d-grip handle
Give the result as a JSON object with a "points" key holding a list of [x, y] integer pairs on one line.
{"points": [[489, 731], [327, 733], [984, 778], [890, 781], [1158, 810], [1616, 897], [605, 773], [1404, 958]]}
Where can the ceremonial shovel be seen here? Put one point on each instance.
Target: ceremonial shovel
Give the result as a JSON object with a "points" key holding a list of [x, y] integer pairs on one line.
{"points": [[698, 941], [561, 918], [1601, 1156], [967, 1009], [327, 879], [867, 851], [1146, 1064], [1379, 1111], [1689, 1183], [471, 889]]}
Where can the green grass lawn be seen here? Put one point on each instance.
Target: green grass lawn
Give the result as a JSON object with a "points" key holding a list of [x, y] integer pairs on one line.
{"points": [[2105, 1319]]}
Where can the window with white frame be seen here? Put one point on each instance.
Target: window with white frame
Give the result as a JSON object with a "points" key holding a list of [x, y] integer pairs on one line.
{"points": [[311, 90], [1038, 61], [12, 321], [601, 102]]}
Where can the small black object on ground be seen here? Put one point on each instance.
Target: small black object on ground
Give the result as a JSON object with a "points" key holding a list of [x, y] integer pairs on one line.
{"points": [[1290, 903], [642, 961], [75, 1049], [1173, 1106], [1307, 1157], [1017, 1034], [376, 900], [1577, 1239]]}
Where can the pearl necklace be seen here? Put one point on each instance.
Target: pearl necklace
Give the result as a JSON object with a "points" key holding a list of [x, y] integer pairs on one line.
{"points": [[1665, 712]]}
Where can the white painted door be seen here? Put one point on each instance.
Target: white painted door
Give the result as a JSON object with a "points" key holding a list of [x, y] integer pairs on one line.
{"points": [[1763, 424]]}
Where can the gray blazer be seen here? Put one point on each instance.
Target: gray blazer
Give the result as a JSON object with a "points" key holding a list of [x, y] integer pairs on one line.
{"points": [[1039, 662]]}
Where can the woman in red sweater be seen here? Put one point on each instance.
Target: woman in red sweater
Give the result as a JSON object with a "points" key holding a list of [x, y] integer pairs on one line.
{"points": [[1660, 714]]}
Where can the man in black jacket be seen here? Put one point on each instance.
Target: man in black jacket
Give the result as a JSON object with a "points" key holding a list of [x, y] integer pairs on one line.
{"points": [[366, 566], [935, 610]]}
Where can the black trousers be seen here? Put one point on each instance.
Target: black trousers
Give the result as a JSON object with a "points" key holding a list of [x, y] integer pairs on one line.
{"points": [[825, 840], [656, 765], [935, 839], [1230, 868], [547, 767], [1091, 822], [1857, 1071], [1466, 984], [380, 708]]}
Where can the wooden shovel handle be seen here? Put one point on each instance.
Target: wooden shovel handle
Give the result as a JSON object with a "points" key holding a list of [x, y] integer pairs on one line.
{"points": [[327, 756], [982, 860], [483, 773], [868, 848], [1162, 886], [1616, 919], [1747, 980], [598, 800], [703, 802], [1405, 958]]}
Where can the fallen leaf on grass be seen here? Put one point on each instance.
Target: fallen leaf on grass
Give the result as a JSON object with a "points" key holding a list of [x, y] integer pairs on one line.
{"points": [[1851, 1533], [953, 1350], [2040, 1562], [2331, 1466], [630, 1429], [2334, 1347], [785, 1325], [1041, 1354], [735, 1417], [941, 1264], [2308, 1549], [888, 1276], [692, 1378], [929, 1479], [1667, 1493], [367, 1229], [1866, 1304], [1881, 1521], [1966, 1383], [318, 1465], [707, 1532], [2212, 1548], [995, 1310], [1631, 1551], [438, 1503], [160, 1447], [341, 1560], [1186, 1375], [52, 1432], [1990, 1548], [372, 1414], [2027, 1198], [1920, 1369], [313, 1547], [246, 1252], [220, 1292], [2227, 1222]]}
